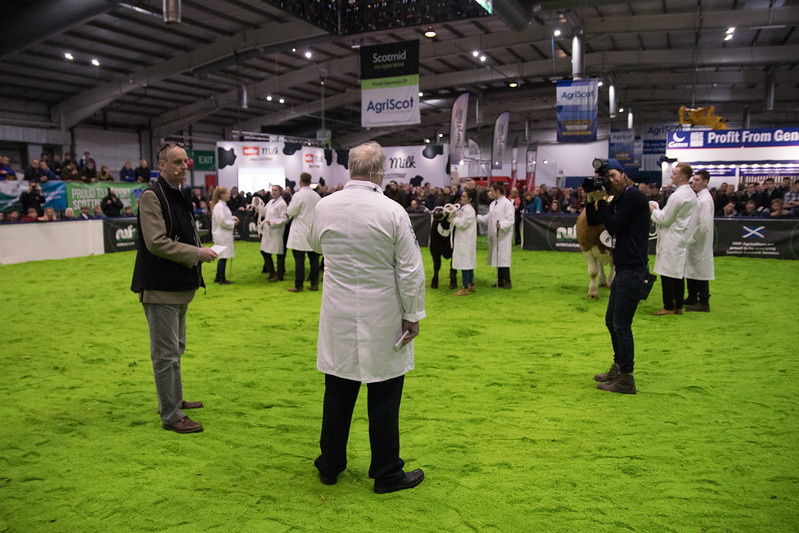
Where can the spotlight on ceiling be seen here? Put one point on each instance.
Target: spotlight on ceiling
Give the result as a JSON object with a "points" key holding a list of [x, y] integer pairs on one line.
{"points": [[482, 58], [282, 101], [556, 33], [69, 56], [600, 83], [95, 62], [475, 53], [430, 33], [308, 54], [513, 84], [728, 37]]}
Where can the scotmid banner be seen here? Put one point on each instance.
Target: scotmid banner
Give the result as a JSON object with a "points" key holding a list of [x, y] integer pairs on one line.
{"points": [[390, 84], [577, 102]]}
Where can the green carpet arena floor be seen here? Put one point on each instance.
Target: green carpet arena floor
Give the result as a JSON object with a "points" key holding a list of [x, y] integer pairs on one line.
{"points": [[501, 412]]}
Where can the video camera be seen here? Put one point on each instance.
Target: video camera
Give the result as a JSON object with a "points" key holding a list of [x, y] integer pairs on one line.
{"points": [[602, 180]]}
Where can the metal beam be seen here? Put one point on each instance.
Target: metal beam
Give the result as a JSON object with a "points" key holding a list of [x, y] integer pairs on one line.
{"points": [[75, 109]]}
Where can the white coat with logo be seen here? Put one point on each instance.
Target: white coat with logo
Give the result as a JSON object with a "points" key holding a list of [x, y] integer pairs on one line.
{"points": [[464, 243], [274, 211], [222, 225], [699, 262], [374, 279], [500, 243], [673, 226], [301, 210]]}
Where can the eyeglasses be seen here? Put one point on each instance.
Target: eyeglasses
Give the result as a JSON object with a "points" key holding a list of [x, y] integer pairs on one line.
{"points": [[166, 145]]}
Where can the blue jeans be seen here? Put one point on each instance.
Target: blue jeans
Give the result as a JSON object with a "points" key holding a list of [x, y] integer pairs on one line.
{"points": [[468, 278], [625, 292]]}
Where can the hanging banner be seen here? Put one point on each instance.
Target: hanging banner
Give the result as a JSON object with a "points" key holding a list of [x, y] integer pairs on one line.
{"points": [[91, 194], [532, 153], [390, 84], [622, 148], [514, 163], [577, 102], [500, 139], [457, 128]]}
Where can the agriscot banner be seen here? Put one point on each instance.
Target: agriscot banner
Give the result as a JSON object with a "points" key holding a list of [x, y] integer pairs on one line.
{"points": [[390, 84]]}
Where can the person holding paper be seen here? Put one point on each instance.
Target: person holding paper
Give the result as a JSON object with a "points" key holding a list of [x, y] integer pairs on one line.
{"points": [[373, 295], [166, 275], [500, 233], [222, 224]]}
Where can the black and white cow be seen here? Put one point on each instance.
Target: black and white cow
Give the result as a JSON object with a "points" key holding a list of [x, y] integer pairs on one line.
{"points": [[441, 246]]}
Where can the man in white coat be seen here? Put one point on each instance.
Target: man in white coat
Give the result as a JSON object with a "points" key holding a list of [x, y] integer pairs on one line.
{"points": [[274, 220], [301, 210], [500, 220], [699, 263], [372, 302], [673, 226]]}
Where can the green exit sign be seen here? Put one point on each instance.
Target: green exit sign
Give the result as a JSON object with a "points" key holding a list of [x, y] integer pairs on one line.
{"points": [[204, 159]]}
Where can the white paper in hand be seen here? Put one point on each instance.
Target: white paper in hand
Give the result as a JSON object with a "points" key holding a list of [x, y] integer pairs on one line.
{"points": [[401, 336], [217, 248]]}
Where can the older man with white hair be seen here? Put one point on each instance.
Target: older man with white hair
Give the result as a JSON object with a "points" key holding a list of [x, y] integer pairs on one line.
{"points": [[372, 301]]}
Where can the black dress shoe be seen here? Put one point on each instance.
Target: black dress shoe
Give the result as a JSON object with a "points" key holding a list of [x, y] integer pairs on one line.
{"points": [[407, 481], [327, 480]]}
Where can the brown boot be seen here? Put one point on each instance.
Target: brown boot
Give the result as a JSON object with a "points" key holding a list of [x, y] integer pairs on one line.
{"points": [[610, 375], [624, 384], [471, 288]]}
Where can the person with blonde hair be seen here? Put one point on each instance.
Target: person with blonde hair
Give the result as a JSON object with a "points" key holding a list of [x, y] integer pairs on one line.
{"points": [[222, 224]]}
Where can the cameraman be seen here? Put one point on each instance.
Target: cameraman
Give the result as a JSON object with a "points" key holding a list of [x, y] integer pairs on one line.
{"points": [[111, 204], [624, 211], [32, 198]]}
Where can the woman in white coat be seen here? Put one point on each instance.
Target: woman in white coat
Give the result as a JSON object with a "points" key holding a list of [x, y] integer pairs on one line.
{"points": [[464, 244], [500, 220], [272, 226], [222, 224]]}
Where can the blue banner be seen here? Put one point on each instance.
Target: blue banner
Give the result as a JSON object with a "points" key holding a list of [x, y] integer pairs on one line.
{"points": [[577, 102], [55, 193], [757, 138]]}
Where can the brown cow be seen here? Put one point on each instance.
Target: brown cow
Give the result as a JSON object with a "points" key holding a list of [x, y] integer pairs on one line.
{"points": [[597, 255]]}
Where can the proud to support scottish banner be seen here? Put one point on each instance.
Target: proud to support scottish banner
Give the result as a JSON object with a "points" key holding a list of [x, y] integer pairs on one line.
{"points": [[390, 84], [91, 194], [577, 110]]}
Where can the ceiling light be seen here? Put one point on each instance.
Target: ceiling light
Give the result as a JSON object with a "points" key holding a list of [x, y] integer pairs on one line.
{"points": [[730, 30], [728, 37], [475, 53], [427, 141], [600, 83], [269, 98], [308, 54], [282, 101], [294, 50], [556, 33], [95, 62], [513, 84], [421, 94], [430, 33], [440, 135], [69, 56], [621, 110], [482, 58]]}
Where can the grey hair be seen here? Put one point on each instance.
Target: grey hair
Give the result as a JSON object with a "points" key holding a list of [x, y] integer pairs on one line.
{"points": [[367, 160]]}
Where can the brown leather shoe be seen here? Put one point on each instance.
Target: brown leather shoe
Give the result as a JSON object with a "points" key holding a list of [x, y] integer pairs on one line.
{"points": [[678, 311], [191, 405], [313, 288], [471, 288], [664, 312], [507, 285], [610, 375], [463, 292], [624, 384], [294, 289], [184, 425], [700, 307]]}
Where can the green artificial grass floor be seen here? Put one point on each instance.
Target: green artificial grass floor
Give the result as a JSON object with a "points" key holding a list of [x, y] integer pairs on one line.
{"points": [[501, 412]]}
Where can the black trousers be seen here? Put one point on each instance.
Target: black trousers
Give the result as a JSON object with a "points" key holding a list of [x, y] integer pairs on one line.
{"points": [[383, 407], [673, 292], [269, 266], [503, 275], [698, 291], [299, 268]]}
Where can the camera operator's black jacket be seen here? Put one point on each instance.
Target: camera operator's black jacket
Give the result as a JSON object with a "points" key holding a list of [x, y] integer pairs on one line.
{"points": [[627, 219]]}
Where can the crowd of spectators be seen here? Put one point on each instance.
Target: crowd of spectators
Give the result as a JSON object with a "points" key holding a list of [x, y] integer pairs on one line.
{"points": [[85, 169], [764, 200]]}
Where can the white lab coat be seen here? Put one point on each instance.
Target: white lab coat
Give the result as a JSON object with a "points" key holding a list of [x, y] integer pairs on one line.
{"points": [[464, 243], [500, 242], [273, 211], [374, 278], [699, 262], [673, 225], [222, 225], [301, 210]]}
